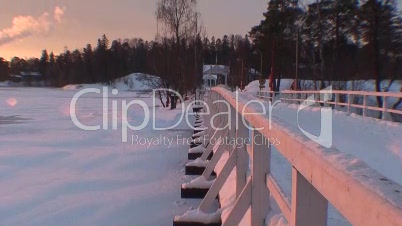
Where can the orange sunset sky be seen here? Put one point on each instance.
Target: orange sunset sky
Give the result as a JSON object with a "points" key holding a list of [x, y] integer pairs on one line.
{"points": [[29, 26]]}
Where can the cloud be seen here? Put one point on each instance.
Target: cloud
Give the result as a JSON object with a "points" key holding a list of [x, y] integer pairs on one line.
{"points": [[26, 26], [59, 13]]}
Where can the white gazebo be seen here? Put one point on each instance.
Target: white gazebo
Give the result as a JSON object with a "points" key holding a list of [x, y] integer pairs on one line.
{"points": [[215, 75], [210, 80]]}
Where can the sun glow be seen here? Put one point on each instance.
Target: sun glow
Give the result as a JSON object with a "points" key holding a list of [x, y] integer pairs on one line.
{"points": [[12, 102]]}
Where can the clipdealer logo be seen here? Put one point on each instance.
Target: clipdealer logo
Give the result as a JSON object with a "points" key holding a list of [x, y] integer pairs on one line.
{"points": [[324, 139], [169, 141]]}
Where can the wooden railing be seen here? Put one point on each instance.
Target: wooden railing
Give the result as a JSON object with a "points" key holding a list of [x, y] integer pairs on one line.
{"points": [[346, 102], [317, 179]]}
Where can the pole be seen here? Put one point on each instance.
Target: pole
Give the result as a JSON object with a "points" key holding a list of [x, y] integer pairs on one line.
{"points": [[242, 74], [273, 88], [195, 56], [216, 66], [261, 66], [230, 73], [261, 75], [297, 59]]}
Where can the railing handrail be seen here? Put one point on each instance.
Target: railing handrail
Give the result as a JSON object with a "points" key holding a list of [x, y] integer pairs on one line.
{"points": [[343, 92], [362, 200], [292, 96]]}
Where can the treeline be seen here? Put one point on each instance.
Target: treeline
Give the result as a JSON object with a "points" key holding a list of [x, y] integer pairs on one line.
{"points": [[337, 39], [106, 61]]}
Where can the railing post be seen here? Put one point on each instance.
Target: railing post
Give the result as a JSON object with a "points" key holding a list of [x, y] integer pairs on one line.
{"points": [[336, 100], [317, 99], [364, 105], [309, 207], [349, 101], [261, 161], [242, 157], [325, 99], [384, 107]]}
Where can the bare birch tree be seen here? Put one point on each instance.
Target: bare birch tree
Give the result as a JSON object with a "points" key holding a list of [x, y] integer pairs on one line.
{"points": [[178, 20]]}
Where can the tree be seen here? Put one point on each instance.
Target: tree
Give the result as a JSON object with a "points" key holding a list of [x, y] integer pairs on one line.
{"points": [[160, 64], [53, 71], [88, 64], [269, 36], [101, 60], [4, 69], [179, 21], [44, 61], [379, 20], [17, 65], [225, 50], [78, 68], [344, 15]]}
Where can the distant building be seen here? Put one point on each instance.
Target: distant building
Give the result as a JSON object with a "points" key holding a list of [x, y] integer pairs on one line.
{"points": [[214, 75], [28, 78], [31, 75]]}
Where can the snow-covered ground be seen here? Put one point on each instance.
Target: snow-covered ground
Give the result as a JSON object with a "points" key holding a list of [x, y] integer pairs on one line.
{"points": [[53, 173], [376, 142], [132, 82], [354, 85], [6, 84]]}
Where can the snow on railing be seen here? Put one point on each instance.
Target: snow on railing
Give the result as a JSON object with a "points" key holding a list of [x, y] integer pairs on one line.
{"points": [[317, 97], [363, 197]]}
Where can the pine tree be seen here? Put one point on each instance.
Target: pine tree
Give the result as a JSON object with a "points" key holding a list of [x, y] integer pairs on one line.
{"points": [[52, 71], [269, 35], [88, 64], [379, 23], [44, 61]]}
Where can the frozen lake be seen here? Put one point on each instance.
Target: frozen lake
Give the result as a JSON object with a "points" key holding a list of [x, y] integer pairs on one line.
{"points": [[53, 173]]}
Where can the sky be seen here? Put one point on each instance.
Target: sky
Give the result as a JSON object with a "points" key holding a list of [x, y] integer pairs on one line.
{"points": [[29, 26]]}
